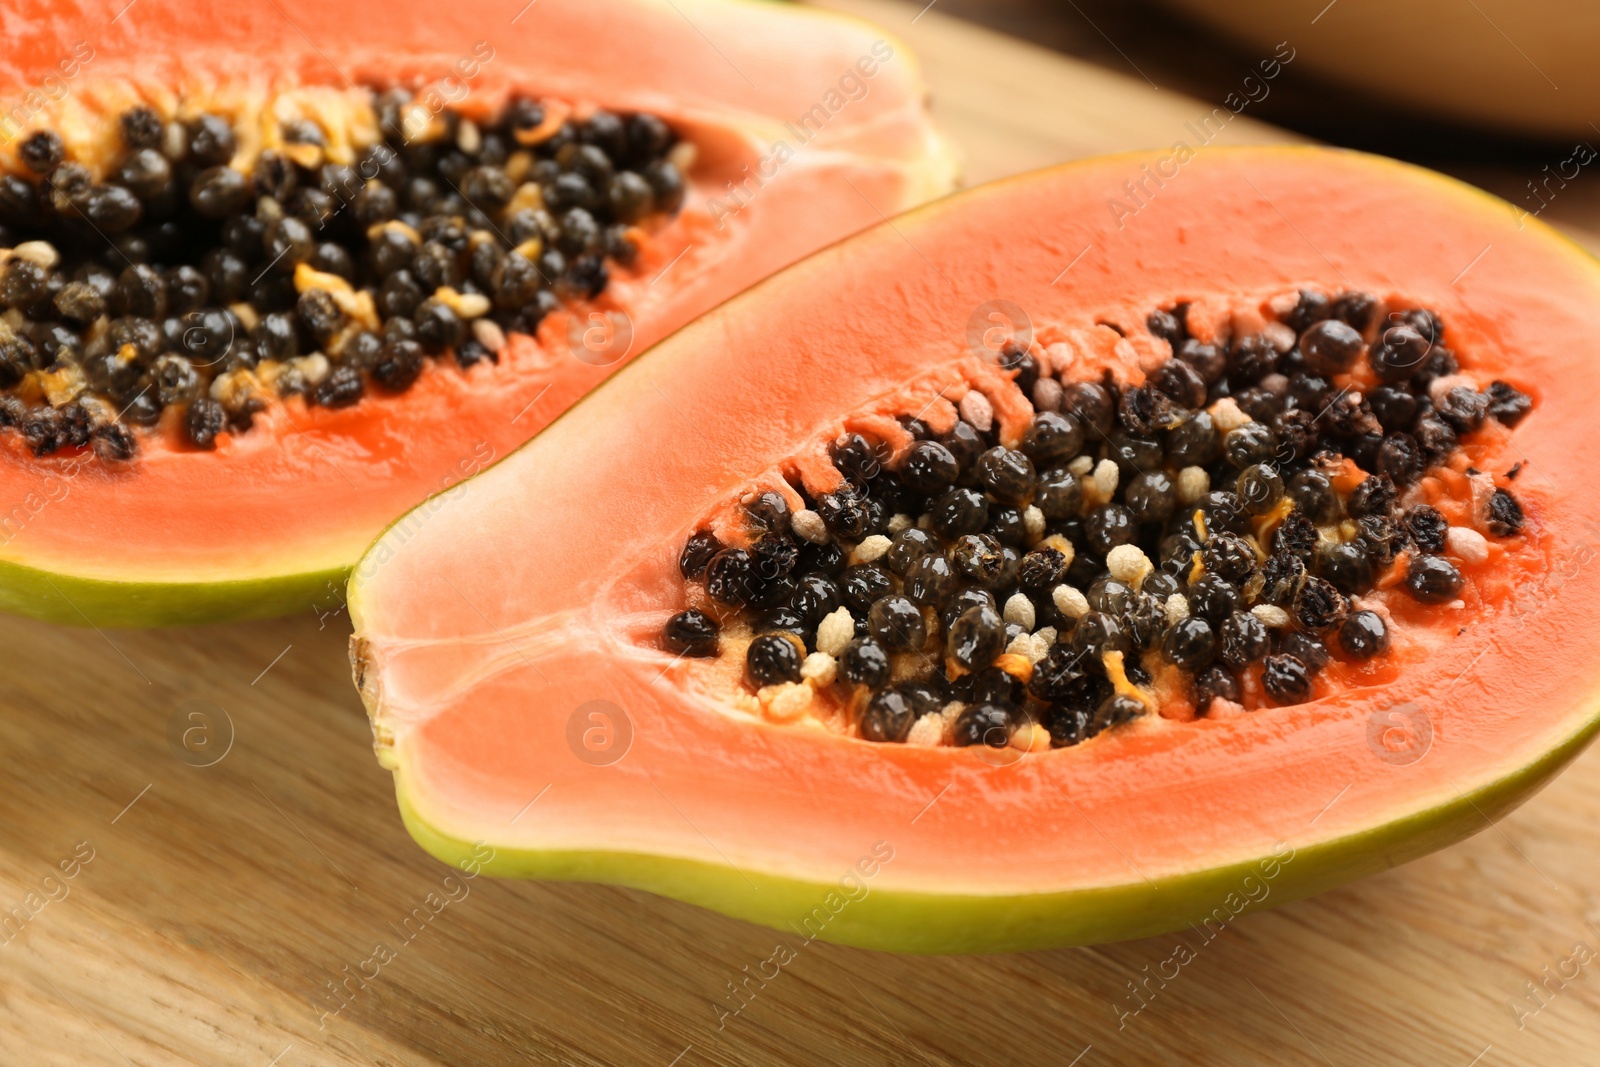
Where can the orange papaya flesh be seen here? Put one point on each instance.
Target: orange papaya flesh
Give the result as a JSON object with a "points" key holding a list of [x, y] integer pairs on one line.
{"points": [[803, 127], [507, 642]]}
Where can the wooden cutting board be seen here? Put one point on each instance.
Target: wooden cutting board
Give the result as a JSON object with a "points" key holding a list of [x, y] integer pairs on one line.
{"points": [[210, 910]]}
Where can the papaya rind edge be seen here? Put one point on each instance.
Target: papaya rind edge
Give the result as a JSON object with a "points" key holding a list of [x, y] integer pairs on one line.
{"points": [[75, 600], [928, 923]]}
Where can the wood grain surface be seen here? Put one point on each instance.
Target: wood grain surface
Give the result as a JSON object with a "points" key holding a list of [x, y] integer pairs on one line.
{"points": [[210, 910]]}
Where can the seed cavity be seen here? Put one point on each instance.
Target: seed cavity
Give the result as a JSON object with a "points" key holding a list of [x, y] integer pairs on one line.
{"points": [[1247, 527], [190, 272]]}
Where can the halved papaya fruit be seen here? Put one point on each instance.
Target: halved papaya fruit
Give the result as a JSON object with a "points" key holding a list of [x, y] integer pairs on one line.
{"points": [[211, 219], [1056, 565]]}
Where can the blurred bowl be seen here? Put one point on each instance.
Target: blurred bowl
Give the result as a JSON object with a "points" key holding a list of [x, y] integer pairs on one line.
{"points": [[1528, 67]]}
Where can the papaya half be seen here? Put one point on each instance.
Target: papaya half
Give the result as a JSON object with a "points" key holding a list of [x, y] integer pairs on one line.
{"points": [[1121, 546], [273, 275]]}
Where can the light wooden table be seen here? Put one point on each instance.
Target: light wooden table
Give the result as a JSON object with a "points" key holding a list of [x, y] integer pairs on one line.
{"points": [[221, 902]]}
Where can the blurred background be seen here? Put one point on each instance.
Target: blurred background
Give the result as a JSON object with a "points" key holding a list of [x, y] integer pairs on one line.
{"points": [[1491, 91]]}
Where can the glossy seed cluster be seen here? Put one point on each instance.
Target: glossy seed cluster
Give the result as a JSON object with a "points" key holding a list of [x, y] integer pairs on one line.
{"points": [[188, 277], [1220, 523]]}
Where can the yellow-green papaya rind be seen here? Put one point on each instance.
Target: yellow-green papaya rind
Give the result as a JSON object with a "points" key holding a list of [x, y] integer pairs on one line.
{"points": [[78, 601], [916, 922]]}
